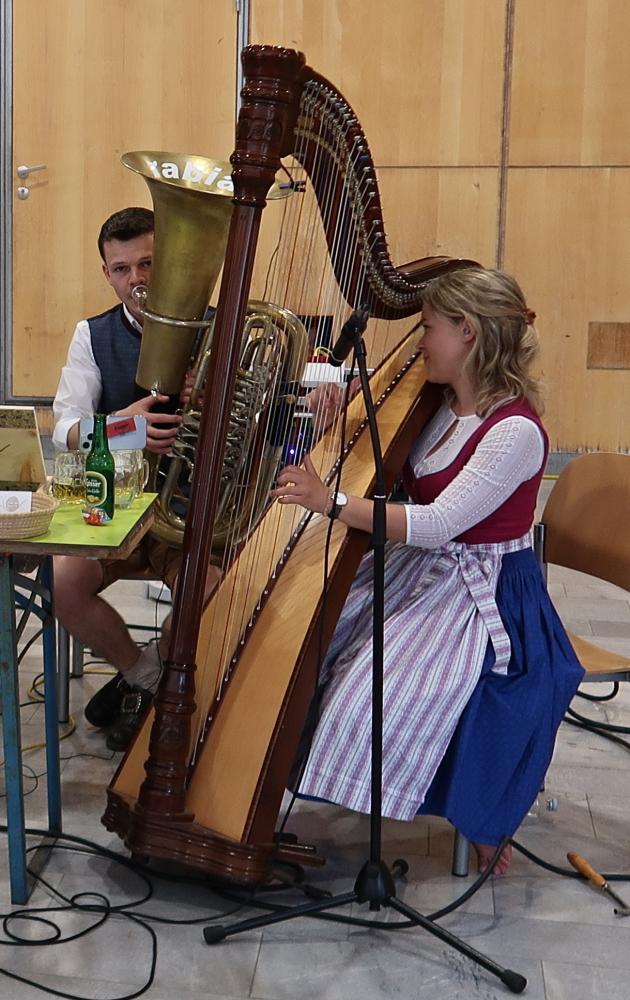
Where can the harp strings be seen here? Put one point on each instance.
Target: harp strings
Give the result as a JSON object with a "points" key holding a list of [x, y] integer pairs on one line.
{"points": [[301, 277]]}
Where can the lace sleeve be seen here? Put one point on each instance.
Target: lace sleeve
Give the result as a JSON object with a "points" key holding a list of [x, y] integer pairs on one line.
{"points": [[510, 453]]}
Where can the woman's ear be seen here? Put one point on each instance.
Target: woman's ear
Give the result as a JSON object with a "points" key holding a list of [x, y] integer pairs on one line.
{"points": [[467, 333]]}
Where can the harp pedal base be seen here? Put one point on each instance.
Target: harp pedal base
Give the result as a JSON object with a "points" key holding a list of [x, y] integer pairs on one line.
{"points": [[291, 852]]}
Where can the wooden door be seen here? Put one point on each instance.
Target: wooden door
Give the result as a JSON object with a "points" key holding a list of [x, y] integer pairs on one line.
{"points": [[91, 81]]}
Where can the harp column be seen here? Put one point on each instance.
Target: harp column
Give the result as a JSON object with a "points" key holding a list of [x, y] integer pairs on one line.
{"points": [[264, 133]]}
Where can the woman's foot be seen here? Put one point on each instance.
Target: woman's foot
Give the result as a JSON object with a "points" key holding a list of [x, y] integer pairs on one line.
{"points": [[485, 853]]}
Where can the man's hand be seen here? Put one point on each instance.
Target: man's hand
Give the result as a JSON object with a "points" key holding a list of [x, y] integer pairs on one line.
{"points": [[325, 402], [187, 388], [161, 427]]}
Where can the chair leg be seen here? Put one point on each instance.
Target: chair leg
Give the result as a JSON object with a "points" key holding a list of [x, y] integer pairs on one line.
{"points": [[63, 673], [77, 659], [461, 851]]}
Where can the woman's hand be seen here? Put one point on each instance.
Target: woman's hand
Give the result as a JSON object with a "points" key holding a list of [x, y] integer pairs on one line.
{"points": [[301, 485]]}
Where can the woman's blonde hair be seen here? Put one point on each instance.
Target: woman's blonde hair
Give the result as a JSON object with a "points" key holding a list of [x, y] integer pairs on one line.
{"points": [[505, 345]]}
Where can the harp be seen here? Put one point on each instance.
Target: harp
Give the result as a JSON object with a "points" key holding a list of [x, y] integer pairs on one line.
{"points": [[203, 782]]}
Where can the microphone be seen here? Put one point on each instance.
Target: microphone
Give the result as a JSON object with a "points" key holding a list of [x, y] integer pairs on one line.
{"points": [[347, 339]]}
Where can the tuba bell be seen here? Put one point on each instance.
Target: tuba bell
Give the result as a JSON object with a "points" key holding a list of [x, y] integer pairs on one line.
{"points": [[192, 203]]}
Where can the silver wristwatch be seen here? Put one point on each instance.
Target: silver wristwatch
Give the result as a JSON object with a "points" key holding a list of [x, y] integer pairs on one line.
{"points": [[339, 501]]}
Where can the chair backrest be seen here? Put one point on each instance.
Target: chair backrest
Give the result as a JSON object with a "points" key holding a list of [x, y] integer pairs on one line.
{"points": [[587, 518]]}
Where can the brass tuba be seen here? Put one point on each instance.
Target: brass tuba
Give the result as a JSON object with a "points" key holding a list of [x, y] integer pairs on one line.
{"points": [[192, 202]]}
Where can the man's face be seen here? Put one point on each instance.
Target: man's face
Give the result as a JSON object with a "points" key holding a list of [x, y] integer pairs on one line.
{"points": [[128, 264]]}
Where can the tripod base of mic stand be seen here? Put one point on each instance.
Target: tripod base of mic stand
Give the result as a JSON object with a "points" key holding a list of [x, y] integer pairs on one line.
{"points": [[374, 885]]}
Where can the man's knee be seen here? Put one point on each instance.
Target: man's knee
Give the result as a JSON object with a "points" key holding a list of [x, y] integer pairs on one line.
{"points": [[75, 579]]}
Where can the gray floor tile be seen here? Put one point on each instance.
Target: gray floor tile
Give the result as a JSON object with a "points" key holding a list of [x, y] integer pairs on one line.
{"points": [[584, 982], [374, 966], [559, 932]]}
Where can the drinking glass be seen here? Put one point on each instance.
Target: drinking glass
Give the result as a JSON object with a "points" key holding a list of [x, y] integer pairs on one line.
{"points": [[68, 478], [125, 478], [142, 470]]}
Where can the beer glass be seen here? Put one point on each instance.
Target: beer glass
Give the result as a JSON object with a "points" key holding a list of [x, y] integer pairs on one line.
{"points": [[126, 479], [68, 478], [142, 470]]}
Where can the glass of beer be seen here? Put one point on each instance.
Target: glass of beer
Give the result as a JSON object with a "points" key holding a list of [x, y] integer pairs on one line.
{"points": [[68, 478], [142, 470], [125, 478]]}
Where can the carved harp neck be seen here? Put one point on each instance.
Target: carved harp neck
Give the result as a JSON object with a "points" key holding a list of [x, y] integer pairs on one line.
{"points": [[321, 131]]}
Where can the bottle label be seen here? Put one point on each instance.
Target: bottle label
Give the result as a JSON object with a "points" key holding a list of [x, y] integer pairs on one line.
{"points": [[96, 495], [95, 488]]}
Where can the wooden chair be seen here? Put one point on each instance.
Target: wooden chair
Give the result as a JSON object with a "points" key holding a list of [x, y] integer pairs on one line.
{"points": [[585, 526]]}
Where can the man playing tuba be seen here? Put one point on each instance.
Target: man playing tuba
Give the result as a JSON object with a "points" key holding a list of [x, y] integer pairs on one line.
{"points": [[99, 376]]}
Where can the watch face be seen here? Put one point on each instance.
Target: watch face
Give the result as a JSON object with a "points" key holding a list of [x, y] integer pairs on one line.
{"points": [[341, 499]]}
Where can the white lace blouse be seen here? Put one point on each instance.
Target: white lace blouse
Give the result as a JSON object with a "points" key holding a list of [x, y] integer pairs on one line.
{"points": [[510, 453]]}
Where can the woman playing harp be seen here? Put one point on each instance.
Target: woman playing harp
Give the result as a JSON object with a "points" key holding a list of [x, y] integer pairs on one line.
{"points": [[478, 671], [241, 671]]}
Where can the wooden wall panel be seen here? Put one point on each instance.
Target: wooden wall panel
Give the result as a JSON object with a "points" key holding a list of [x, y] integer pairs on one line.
{"points": [[440, 211], [570, 93], [425, 77], [460, 173], [91, 81], [568, 242], [427, 211]]}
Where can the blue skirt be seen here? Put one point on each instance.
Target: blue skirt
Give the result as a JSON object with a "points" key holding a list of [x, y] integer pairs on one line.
{"points": [[502, 747]]}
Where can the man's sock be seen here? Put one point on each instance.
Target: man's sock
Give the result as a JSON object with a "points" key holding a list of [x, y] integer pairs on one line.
{"points": [[146, 672]]}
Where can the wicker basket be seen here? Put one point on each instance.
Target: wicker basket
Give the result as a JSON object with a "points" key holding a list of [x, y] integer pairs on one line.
{"points": [[33, 522]]}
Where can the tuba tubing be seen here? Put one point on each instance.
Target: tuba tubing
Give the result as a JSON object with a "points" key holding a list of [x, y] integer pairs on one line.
{"points": [[273, 352], [193, 204]]}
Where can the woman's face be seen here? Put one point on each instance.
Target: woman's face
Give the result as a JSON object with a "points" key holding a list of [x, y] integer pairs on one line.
{"points": [[445, 345]]}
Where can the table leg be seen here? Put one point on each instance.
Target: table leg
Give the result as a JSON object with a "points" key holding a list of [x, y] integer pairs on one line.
{"points": [[12, 735], [51, 701]]}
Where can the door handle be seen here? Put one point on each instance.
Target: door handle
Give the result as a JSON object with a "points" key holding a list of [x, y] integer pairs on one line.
{"points": [[24, 171]]}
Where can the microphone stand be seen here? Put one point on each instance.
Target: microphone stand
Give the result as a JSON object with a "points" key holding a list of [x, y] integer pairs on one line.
{"points": [[374, 883]]}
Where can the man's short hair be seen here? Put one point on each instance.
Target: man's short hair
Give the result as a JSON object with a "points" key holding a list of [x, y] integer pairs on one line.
{"points": [[125, 225]]}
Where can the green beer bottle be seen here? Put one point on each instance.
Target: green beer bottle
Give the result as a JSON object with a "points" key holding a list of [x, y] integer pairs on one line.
{"points": [[99, 476]]}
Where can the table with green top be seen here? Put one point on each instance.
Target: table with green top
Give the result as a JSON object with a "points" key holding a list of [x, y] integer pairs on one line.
{"points": [[68, 535]]}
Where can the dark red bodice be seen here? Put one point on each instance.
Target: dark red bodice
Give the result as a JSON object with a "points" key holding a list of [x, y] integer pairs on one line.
{"points": [[514, 517]]}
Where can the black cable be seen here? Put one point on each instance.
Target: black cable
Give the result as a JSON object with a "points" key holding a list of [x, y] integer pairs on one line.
{"points": [[250, 898], [567, 872], [600, 697], [595, 723], [27, 645], [102, 909], [598, 732], [27, 772]]}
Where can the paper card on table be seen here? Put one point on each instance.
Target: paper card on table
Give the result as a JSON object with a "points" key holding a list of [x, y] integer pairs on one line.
{"points": [[15, 501]]}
